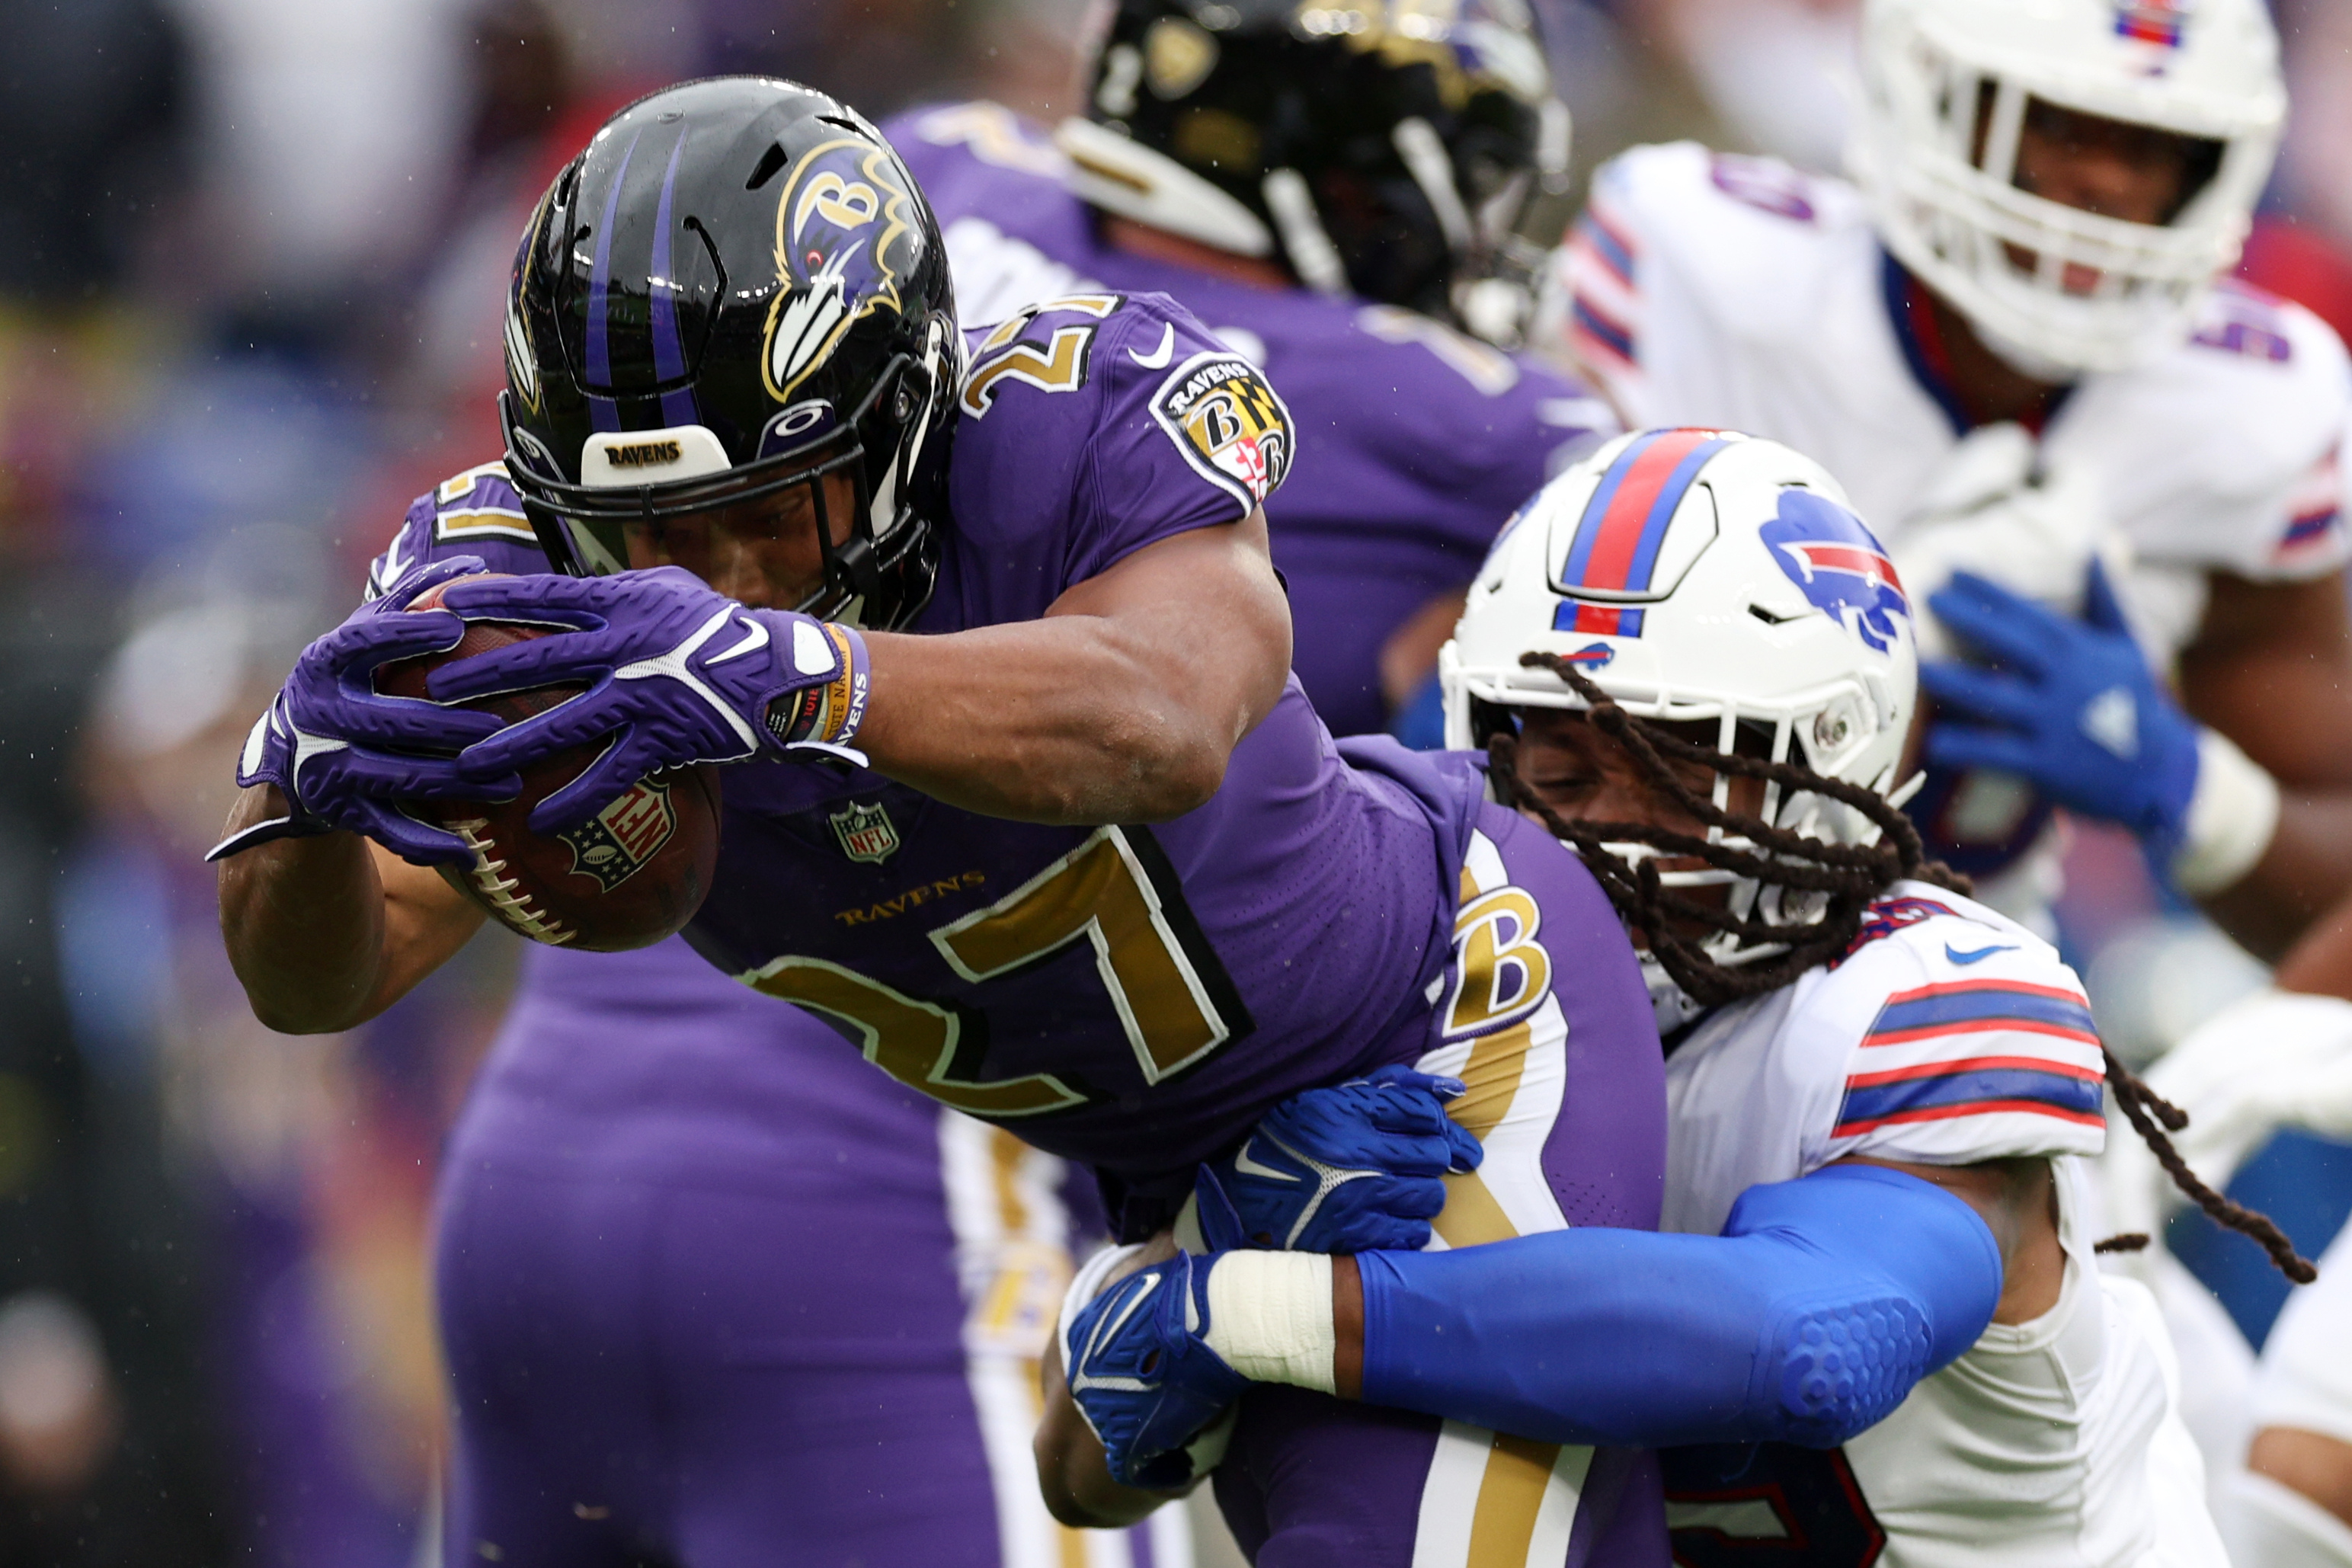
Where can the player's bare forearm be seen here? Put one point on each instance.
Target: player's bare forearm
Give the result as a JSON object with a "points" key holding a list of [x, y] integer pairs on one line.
{"points": [[2304, 872], [2272, 668], [325, 932], [2321, 964], [1122, 704], [2318, 1465]]}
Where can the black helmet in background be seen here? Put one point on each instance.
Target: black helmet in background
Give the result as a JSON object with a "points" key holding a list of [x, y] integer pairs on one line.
{"points": [[735, 291], [1407, 151]]}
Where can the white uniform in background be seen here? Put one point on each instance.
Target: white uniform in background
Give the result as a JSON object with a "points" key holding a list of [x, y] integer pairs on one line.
{"points": [[1950, 1036], [2275, 1059], [1734, 292]]}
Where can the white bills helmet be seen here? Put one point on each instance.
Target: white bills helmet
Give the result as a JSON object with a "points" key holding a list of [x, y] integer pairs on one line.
{"points": [[1700, 575], [1947, 85]]}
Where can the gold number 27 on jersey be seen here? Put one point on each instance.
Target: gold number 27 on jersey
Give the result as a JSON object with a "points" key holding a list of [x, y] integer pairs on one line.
{"points": [[1174, 1013]]}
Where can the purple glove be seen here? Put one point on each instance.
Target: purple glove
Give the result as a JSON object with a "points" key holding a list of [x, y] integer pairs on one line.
{"points": [[675, 672], [1350, 1167], [344, 755]]}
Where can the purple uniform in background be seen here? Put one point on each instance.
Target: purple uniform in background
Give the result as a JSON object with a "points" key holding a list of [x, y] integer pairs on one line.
{"points": [[1415, 443], [659, 1189], [715, 1292]]}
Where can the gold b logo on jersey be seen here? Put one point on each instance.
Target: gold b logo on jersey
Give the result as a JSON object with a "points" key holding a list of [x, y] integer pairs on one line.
{"points": [[1502, 973]]}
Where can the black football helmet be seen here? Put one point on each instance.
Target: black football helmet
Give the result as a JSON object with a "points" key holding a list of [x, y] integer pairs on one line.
{"points": [[735, 291], [1408, 151]]}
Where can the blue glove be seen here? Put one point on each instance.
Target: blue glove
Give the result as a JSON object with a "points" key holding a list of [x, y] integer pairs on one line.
{"points": [[1351, 1167], [2075, 710], [1140, 1369], [344, 755], [675, 672]]}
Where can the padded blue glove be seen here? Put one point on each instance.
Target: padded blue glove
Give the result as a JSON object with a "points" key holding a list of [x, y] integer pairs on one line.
{"points": [[2076, 711], [1351, 1167], [1139, 1365], [675, 672], [344, 755]]}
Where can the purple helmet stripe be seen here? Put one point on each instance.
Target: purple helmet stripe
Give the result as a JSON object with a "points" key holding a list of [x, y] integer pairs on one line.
{"points": [[600, 352]]}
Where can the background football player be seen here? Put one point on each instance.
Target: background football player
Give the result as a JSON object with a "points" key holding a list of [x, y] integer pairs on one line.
{"points": [[2278, 1058], [2010, 342], [1330, 202], [739, 282], [1690, 660]]}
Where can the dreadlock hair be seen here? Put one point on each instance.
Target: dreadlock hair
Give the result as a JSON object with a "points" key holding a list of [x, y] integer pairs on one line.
{"points": [[2144, 1108], [1849, 877]]}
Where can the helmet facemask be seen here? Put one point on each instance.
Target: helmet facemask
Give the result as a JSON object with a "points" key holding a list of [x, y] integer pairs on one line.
{"points": [[593, 530], [1798, 868], [2056, 290]]}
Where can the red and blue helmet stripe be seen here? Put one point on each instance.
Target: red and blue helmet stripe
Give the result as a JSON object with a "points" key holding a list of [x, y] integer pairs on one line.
{"points": [[2159, 22], [1618, 539]]}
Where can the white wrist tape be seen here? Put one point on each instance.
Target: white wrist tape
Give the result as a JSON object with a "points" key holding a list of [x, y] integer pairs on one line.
{"points": [[2231, 817], [1270, 1317]]}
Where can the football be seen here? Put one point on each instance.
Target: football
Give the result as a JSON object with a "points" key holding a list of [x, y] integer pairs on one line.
{"points": [[628, 877]]}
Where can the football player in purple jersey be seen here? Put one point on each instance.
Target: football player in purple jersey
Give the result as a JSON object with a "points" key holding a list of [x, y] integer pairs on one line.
{"points": [[985, 624], [1341, 241]]}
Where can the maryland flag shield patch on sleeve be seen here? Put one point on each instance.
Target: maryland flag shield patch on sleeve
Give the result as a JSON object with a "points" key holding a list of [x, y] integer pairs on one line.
{"points": [[1229, 423]]}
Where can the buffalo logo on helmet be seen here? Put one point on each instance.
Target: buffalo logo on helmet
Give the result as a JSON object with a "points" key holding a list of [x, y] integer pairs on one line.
{"points": [[1591, 656], [1229, 423], [846, 235], [1842, 569], [614, 845]]}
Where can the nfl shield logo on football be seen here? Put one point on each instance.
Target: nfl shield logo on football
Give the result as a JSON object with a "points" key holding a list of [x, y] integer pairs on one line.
{"points": [[613, 845], [865, 832]]}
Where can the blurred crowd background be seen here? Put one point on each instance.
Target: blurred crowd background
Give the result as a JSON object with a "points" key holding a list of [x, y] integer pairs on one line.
{"points": [[252, 258]]}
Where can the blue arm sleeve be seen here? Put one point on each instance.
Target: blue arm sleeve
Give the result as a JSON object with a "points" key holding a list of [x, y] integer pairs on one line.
{"points": [[1807, 1321]]}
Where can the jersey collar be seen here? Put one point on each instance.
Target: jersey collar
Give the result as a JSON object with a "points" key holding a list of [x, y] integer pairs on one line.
{"points": [[1917, 334]]}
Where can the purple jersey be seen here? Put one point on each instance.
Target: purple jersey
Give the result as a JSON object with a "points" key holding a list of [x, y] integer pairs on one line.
{"points": [[1415, 442], [1130, 997]]}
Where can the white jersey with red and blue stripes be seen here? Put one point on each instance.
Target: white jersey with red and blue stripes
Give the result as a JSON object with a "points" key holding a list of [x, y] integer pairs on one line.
{"points": [[1704, 289], [1947, 1036]]}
